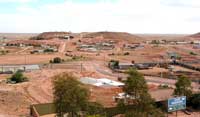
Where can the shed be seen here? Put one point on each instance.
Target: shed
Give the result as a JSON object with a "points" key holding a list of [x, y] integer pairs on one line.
{"points": [[126, 65]]}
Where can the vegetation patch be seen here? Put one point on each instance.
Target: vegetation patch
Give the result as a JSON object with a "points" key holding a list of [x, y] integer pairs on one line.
{"points": [[56, 60], [17, 77]]}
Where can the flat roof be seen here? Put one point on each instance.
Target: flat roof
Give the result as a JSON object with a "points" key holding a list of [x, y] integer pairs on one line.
{"points": [[100, 82]]}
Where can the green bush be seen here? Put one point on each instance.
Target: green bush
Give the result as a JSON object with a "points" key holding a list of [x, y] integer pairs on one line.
{"points": [[94, 109], [48, 50], [57, 60], [194, 101], [126, 53], [114, 64], [155, 42], [192, 53], [3, 52], [51, 61], [18, 77]]}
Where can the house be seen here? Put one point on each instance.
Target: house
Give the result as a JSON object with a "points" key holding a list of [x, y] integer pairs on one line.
{"points": [[14, 68], [132, 46], [196, 46], [182, 42], [173, 55], [88, 49], [67, 37], [103, 82], [86, 46], [142, 66], [104, 45], [126, 65], [196, 42]]}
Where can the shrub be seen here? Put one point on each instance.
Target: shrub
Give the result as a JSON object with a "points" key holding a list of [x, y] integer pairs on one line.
{"points": [[194, 101], [18, 77], [57, 60], [51, 61], [163, 86], [114, 64], [155, 42], [192, 53], [126, 53], [48, 50]]}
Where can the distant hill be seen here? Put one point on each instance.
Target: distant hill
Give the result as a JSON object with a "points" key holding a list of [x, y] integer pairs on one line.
{"points": [[17, 36], [50, 35], [112, 35], [197, 35]]}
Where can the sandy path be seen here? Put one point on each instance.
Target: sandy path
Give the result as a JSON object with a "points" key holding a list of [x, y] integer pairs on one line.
{"points": [[62, 47]]}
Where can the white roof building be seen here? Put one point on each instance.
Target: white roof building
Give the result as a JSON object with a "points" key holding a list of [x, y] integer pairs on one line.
{"points": [[100, 82]]}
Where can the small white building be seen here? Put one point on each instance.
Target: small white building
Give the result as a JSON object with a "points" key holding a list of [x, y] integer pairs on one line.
{"points": [[182, 42], [196, 42], [100, 82]]}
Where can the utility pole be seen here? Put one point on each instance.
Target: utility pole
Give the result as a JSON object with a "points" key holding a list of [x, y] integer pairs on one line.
{"points": [[81, 67], [25, 62], [25, 59]]}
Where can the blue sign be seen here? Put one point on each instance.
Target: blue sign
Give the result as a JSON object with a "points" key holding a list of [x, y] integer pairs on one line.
{"points": [[178, 103]]}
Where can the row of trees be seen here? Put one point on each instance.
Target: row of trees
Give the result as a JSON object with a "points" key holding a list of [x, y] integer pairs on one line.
{"points": [[70, 96]]}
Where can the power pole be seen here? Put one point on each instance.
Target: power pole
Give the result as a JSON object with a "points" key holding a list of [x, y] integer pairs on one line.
{"points": [[25, 63], [81, 67]]}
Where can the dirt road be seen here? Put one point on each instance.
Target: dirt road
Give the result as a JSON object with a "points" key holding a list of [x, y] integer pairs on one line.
{"points": [[62, 47]]}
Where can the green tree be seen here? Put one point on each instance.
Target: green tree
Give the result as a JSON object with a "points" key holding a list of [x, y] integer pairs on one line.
{"points": [[70, 96], [121, 106], [94, 110], [135, 85], [183, 87], [95, 116], [136, 90], [194, 101], [18, 77], [57, 60]]}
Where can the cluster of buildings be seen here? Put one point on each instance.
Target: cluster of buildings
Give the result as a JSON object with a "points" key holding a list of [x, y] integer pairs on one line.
{"points": [[45, 49], [140, 66], [173, 42], [132, 46], [93, 47]]}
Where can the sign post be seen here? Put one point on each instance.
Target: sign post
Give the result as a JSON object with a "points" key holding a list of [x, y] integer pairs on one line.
{"points": [[175, 104]]}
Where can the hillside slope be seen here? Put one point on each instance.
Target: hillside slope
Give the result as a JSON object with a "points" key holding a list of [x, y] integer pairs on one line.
{"points": [[117, 36], [197, 35]]}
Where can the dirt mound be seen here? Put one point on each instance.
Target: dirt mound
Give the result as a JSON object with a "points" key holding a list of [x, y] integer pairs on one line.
{"points": [[50, 35], [197, 35], [113, 35]]}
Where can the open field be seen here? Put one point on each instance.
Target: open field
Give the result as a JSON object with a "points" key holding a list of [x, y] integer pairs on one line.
{"points": [[28, 59]]}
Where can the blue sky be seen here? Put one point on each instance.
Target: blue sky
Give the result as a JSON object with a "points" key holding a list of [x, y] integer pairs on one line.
{"points": [[134, 16]]}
